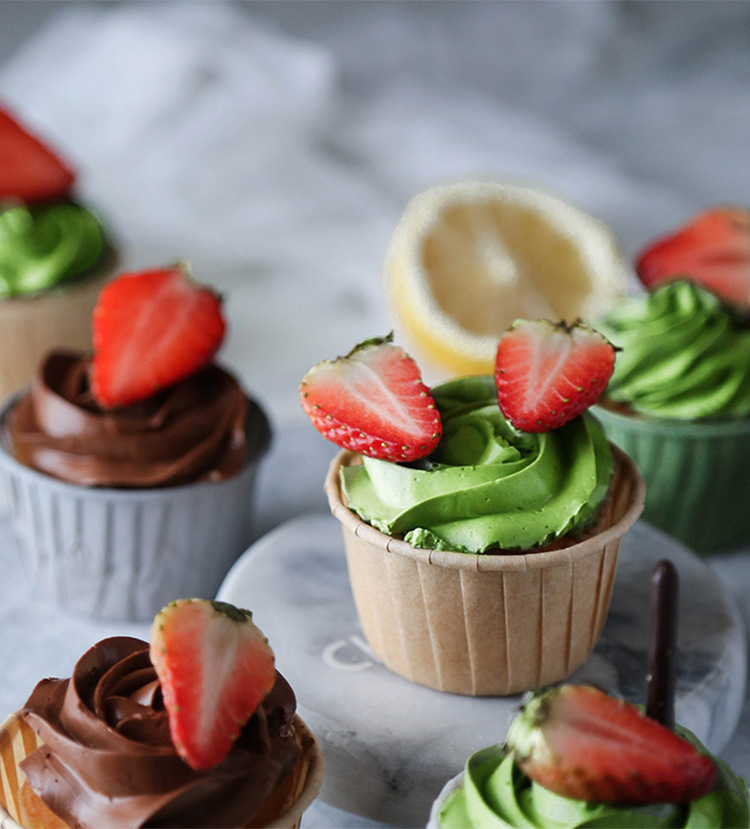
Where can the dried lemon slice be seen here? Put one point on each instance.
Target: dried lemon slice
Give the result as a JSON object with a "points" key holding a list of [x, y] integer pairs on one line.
{"points": [[466, 259]]}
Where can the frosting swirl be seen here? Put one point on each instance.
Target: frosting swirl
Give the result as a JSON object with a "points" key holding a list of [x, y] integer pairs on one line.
{"points": [[487, 485], [42, 246], [108, 759], [496, 793], [684, 355], [202, 428]]}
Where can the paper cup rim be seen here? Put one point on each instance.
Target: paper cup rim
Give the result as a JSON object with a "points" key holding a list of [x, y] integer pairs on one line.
{"points": [[107, 494], [439, 802], [310, 790], [592, 545], [674, 427]]}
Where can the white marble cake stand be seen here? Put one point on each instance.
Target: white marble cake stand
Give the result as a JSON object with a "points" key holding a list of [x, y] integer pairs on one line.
{"points": [[391, 745]]}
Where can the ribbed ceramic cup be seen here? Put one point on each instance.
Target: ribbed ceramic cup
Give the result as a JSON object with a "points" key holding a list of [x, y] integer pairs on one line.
{"points": [[485, 624], [697, 475], [125, 553], [61, 317], [19, 805]]}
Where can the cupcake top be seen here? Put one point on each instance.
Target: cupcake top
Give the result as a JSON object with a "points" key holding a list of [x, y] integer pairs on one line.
{"points": [[138, 734], [685, 355], [476, 464], [150, 408], [576, 757], [45, 238], [486, 484]]}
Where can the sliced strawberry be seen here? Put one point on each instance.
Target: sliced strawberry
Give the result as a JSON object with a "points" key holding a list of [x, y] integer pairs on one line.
{"points": [[581, 743], [151, 329], [548, 373], [373, 401], [712, 249], [29, 170], [215, 667]]}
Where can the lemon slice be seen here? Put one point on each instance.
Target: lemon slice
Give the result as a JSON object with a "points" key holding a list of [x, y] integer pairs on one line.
{"points": [[467, 259]]}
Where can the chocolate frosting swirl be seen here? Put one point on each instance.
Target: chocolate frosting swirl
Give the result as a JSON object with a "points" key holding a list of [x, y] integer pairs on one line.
{"points": [[201, 428], [108, 759]]}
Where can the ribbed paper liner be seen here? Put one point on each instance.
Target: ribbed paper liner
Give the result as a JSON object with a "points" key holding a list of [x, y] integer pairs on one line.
{"points": [[32, 325], [696, 473], [485, 624], [20, 808]]}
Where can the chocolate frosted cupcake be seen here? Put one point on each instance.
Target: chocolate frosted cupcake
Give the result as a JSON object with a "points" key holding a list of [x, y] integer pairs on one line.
{"points": [[55, 255], [121, 506], [117, 744]]}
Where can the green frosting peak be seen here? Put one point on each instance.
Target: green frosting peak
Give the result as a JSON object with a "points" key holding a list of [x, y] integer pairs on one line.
{"points": [[684, 355], [487, 484], [495, 793], [42, 246]]}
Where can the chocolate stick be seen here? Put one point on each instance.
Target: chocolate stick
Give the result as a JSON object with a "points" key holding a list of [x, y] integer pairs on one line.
{"points": [[662, 643]]}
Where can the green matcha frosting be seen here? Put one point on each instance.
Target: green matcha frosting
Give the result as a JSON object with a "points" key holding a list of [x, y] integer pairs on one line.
{"points": [[684, 355], [42, 246], [487, 484], [495, 793]]}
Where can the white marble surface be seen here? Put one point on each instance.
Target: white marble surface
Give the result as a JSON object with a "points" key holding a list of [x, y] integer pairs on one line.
{"points": [[276, 143]]}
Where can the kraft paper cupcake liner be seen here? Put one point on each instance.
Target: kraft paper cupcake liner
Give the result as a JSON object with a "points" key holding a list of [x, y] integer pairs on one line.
{"points": [[125, 553], [20, 808], [485, 625], [60, 317], [696, 475]]}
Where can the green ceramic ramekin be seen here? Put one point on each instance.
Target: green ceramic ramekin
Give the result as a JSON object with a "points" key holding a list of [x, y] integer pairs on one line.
{"points": [[697, 475]]}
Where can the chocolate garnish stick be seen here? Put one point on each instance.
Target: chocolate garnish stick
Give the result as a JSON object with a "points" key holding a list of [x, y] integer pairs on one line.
{"points": [[662, 643]]}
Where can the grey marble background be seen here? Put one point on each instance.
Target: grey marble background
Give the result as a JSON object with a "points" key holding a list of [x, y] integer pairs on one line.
{"points": [[275, 144]]}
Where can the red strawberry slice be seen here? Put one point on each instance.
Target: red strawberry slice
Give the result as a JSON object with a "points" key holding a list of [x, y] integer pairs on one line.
{"points": [[151, 329], [548, 373], [581, 743], [215, 667], [29, 170], [373, 401], [713, 250]]}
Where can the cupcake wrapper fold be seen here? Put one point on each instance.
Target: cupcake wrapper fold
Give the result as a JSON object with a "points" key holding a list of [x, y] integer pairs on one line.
{"points": [[21, 809], [485, 624], [125, 553], [696, 475]]}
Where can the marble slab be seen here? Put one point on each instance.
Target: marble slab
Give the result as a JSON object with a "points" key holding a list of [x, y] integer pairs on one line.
{"points": [[390, 745]]}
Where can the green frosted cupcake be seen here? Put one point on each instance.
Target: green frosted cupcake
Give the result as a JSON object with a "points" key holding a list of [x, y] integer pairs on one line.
{"points": [[574, 740], [678, 404]]}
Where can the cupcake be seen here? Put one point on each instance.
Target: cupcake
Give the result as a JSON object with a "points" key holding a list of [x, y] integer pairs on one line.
{"points": [[196, 728], [54, 256], [481, 539], [679, 404], [130, 473], [577, 757]]}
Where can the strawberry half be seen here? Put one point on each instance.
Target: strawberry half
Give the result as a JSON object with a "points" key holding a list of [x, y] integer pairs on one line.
{"points": [[713, 250], [581, 743], [215, 667], [373, 401], [151, 329], [29, 170], [548, 373]]}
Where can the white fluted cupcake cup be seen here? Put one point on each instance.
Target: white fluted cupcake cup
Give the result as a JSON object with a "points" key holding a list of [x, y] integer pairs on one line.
{"points": [[125, 553], [485, 625]]}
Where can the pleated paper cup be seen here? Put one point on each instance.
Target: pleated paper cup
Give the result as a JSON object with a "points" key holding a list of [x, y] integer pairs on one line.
{"points": [[696, 474], [30, 326], [20, 808], [485, 624], [125, 553]]}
